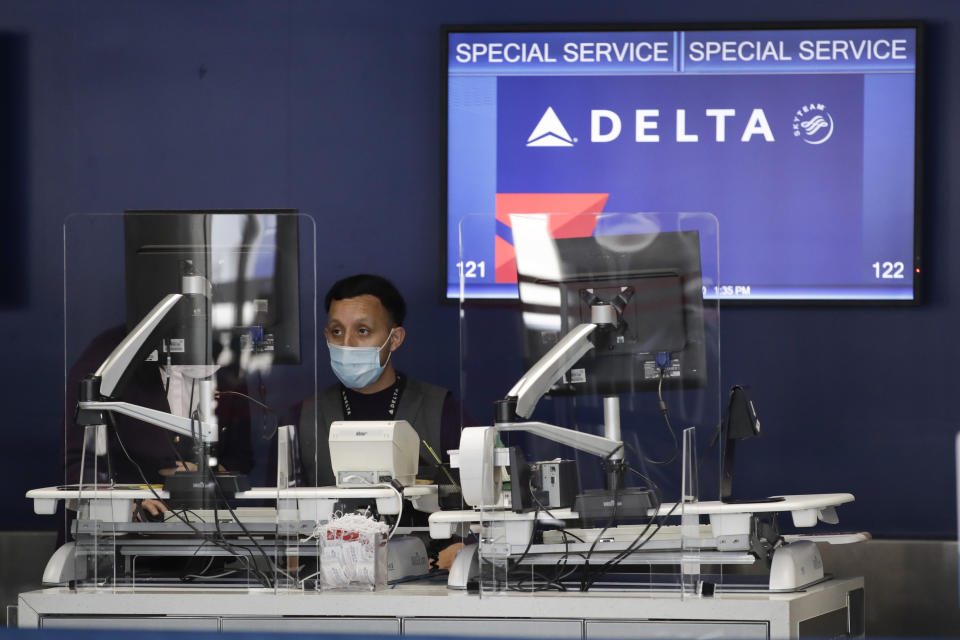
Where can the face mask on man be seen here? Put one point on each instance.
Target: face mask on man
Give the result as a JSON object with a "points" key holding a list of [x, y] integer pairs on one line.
{"points": [[357, 367]]}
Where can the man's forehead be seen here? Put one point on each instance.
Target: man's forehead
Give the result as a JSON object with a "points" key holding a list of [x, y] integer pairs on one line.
{"points": [[361, 308]]}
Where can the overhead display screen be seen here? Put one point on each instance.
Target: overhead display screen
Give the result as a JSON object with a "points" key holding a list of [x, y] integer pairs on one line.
{"points": [[802, 142]]}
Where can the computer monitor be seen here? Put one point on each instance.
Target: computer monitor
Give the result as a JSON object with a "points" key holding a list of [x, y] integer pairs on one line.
{"points": [[250, 258], [652, 281]]}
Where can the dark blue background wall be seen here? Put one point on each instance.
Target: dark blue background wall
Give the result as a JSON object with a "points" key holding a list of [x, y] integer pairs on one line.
{"points": [[335, 108]]}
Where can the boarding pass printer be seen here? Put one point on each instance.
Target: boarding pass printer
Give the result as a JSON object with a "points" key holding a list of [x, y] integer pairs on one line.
{"points": [[369, 453]]}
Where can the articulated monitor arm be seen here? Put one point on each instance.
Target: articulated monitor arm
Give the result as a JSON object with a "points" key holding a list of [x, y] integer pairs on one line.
{"points": [[122, 357], [96, 390], [168, 421], [477, 443], [522, 399], [477, 455], [597, 445]]}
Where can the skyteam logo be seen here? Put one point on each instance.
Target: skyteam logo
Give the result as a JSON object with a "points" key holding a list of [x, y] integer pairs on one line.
{"points": [[813, 124], [550, 132]]}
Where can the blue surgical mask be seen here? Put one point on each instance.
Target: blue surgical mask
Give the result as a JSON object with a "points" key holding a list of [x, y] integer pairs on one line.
{"points": [[358, 367]]}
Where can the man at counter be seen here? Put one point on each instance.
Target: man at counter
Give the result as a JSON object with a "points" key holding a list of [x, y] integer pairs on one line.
{"points": [[365, 315]]}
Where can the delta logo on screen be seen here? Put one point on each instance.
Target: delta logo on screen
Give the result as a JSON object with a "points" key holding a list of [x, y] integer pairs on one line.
{"points": [[550, 132], [811, 123]]}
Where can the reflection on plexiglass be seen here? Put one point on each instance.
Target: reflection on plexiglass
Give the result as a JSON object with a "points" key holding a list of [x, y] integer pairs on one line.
{"points": [[577, 483]]}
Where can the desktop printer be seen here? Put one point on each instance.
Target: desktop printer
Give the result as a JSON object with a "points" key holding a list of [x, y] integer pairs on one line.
{"points": [[374, 452]]}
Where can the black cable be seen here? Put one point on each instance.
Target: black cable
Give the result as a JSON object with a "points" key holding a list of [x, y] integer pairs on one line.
{"points": [[560, 571], [193, 557], [196, 435], [638, 542], [176, 451], [147, 484], [222, 495], [540, 506], [423, 576], [533, 533], [549, 584], [265, 407], [243, 527], [593, 546], [559, 576], [613, 517], [223, 541], [673, 433], [249, 560], [533, 572], [202, 536], [653, 485], [201, 464], [657, 493], [200, 575], [533, 495], [513, 565], [586, 582]]}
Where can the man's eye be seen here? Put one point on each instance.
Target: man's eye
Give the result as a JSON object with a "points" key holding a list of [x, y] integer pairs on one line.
{"points": [[364, 332], [336, 332]]}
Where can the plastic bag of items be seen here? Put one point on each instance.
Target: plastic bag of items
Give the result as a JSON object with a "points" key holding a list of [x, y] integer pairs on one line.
{"points": [[353, 553]]}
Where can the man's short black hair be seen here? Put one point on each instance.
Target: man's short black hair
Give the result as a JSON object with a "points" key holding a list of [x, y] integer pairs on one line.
{"points": [[367, 284]]}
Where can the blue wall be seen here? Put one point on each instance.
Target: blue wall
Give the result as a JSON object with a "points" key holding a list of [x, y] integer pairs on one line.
{"points": [[335, 108]]}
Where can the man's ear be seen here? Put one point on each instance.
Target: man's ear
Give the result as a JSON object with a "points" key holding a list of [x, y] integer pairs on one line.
{"points": [[396, 338]]}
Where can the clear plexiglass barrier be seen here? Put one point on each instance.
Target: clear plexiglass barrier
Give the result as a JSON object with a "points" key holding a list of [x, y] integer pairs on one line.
{"points": [[597, 391], [190, 345]]}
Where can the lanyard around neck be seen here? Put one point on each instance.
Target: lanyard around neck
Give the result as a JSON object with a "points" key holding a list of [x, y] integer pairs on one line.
{"points": [[391, 408]]}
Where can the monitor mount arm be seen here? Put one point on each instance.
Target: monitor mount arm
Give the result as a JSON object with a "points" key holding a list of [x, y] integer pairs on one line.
{"points": [[477, 453], [597, 445], [96, 390], [522, 399]]}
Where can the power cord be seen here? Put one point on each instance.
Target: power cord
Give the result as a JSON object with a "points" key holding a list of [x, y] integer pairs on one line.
{"points": [[265, 407], [636, 544], [221, 495], [661, 365], [226, 546]]}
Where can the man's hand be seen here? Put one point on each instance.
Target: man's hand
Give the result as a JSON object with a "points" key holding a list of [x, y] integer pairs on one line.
{"points": [[446, 556], [150, 508]]}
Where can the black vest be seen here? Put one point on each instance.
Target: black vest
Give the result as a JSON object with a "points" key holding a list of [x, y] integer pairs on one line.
{"points": [[421, 404]]}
